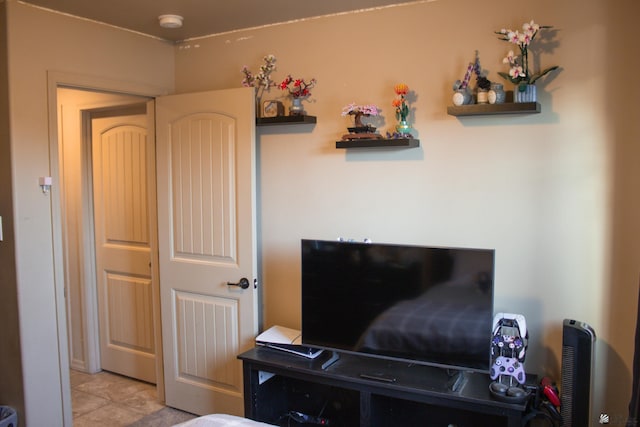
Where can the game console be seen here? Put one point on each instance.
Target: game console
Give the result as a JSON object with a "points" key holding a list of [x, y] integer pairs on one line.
{"points": [[288, 340]]}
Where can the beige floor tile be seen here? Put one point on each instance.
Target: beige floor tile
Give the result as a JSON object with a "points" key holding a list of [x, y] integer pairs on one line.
{"points": [[113, 387], [143, 401], [78, 377], [83, 403], [111, 415], [106, 399]]}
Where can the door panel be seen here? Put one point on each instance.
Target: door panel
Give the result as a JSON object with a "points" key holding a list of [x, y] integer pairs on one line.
{"points": [[123, 255], [129, 301], [206, 218], [207, 325], [202, 172]]}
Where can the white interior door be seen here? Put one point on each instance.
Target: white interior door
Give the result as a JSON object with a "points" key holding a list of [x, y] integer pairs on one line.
{"points": [[122, 162], [206, 221]]}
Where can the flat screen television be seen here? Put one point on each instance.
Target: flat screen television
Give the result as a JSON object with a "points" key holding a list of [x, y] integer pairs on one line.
{"points": [[428, 305]]}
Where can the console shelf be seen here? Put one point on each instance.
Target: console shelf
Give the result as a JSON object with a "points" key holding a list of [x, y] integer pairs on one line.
{"points": [[492, 109], [367, 392], [375, 143], [285, 120]]}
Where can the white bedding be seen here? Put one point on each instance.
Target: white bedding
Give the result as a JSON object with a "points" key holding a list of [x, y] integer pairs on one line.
{"points": [[221, 420]]}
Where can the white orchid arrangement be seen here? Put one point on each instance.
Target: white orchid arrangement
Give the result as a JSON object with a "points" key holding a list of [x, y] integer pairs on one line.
{"points": [[261, 81], [519, 72]]}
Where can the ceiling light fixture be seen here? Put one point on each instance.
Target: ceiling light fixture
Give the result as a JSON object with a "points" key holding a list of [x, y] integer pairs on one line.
{"points": [[170, 21]]}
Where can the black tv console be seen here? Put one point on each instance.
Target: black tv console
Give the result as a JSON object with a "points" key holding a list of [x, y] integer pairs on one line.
{"points": [[367, 392]]}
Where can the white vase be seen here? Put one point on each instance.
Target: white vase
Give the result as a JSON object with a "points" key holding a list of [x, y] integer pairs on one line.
{"points": [[461, 97], [258, 106], [525, 93]]}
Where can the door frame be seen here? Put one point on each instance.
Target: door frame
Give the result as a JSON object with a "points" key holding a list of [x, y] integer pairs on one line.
{"points": [[56, 79], [86, 254]]}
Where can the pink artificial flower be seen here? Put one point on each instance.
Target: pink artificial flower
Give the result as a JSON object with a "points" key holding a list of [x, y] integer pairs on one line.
{"points": [[531, 26], [510, 58], [516, 71]]}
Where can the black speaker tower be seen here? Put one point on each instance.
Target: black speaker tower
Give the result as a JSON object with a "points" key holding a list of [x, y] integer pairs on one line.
{"points": [[578, 340]]}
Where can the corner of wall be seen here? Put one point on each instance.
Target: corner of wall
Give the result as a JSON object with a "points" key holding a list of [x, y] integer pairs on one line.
{"points": [[12, 390]]}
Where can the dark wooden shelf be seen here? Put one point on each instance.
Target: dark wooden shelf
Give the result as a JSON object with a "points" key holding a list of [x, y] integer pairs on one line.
{"points": [[285, 120], [375, 143], [492, 109]]}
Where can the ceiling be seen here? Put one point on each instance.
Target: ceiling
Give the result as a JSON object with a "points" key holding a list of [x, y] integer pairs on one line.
{"points": [[203, 17]]}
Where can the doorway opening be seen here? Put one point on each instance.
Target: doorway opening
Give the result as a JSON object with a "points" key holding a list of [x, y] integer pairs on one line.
{"points": [[76, 111], [229, 141]]}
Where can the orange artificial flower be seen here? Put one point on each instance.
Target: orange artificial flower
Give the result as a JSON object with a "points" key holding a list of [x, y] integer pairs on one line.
{"points": [[401, 89], [402, 109]]}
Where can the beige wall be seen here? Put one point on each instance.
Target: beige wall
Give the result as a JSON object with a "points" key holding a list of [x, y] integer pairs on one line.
{"points": [[554, 193], [42, 45], [12, 392], [625, 198]]}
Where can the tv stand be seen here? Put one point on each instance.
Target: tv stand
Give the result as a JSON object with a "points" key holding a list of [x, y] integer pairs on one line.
{"points": [[331, 360], [363, 391], [457, 380]]}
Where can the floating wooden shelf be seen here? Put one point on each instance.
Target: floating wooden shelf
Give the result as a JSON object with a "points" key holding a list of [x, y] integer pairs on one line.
{"points": [[492, 109], [375, 143], [285, 120]]}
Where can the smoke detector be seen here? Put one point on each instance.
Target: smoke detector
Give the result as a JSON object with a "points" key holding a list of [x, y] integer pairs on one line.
{"points": [[170, 21]]}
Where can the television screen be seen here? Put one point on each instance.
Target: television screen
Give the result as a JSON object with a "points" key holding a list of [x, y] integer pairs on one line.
{"points": [[429, 305]]}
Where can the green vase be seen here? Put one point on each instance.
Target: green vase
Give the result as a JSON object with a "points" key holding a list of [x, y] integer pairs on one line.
{"points": [[403, 127]]}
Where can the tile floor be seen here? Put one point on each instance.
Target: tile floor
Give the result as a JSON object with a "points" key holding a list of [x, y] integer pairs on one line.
{"points": [[106, 399]]}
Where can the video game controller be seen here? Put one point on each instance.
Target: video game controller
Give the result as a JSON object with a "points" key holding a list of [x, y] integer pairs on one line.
{"points": [[508, 366], [510, 336], [516, 320], [508, 345]]}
